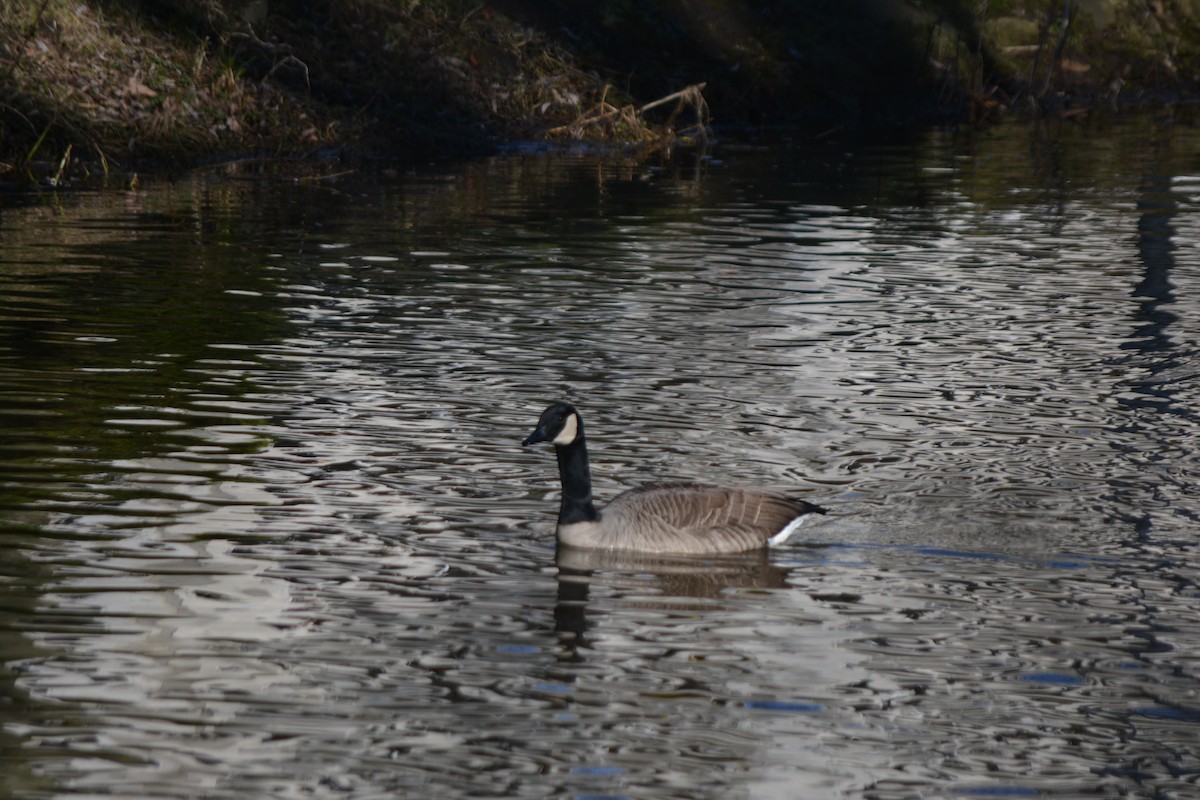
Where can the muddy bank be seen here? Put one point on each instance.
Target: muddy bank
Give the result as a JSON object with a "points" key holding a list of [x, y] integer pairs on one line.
{"points": [[125, 85]]}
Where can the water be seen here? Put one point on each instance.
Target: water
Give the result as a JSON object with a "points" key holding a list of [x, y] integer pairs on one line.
{"points": [[269, 532]]}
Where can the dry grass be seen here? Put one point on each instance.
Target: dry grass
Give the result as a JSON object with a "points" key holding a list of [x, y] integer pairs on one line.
{"points": [[112, 89], [107, 85]]}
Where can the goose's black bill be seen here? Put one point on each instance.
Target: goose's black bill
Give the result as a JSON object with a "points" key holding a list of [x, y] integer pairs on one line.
{"points": [[538, 435]]}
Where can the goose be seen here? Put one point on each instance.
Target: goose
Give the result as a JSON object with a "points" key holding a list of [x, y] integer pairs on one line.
{"points": [[686, 518]]}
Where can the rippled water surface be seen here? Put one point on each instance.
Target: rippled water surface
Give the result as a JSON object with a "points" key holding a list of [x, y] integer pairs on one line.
{"points": [[268, 530]]}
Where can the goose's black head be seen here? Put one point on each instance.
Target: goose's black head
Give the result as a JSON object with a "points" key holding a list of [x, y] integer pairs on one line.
{"points": [[559, 425]]}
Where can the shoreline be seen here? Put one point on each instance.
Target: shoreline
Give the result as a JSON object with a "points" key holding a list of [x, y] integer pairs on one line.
{"points": [[91, 90]]}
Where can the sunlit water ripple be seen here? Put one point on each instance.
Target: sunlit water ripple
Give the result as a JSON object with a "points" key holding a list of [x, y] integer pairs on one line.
{"points": [[270, 533]]}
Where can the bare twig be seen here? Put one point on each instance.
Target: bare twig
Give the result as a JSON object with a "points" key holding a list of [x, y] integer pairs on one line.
{"points": [[290, 60], [632, 120], [1068, 15], [319, 178], [275, 50], [686, 93]]}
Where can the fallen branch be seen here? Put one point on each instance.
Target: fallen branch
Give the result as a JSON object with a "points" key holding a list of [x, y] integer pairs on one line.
{"points": [[686, 94], [629, 124]]}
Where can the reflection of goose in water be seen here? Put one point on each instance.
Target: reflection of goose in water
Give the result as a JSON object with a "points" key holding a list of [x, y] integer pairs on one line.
{"points": [[679, 582], [678, 577], [665, 517]]}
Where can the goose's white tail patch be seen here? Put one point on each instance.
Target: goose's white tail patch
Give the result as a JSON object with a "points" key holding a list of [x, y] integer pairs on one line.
{"points": [[788, 531]]}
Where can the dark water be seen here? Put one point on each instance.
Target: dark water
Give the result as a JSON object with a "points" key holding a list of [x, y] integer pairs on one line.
{"points": [[268, 530]]}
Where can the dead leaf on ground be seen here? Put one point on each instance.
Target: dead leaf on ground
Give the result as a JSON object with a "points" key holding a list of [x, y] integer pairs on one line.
{"points": [[135, 88]]}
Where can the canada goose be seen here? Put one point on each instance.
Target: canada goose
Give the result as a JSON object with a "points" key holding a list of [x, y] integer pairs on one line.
{"points": [[662, 517]]}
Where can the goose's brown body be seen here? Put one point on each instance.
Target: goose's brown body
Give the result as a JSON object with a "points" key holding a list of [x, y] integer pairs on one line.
{"points": [[666, 517], [687, 518]]}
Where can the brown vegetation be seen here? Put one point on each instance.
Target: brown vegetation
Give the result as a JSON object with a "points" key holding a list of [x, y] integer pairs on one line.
{"points": [[125, 82], [101, 84]]}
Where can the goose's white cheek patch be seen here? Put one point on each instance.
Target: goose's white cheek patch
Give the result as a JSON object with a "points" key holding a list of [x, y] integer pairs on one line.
{"points": [[569, 432]]}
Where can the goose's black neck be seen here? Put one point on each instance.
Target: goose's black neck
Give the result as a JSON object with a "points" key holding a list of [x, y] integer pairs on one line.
{"points": [[576, 479]]}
